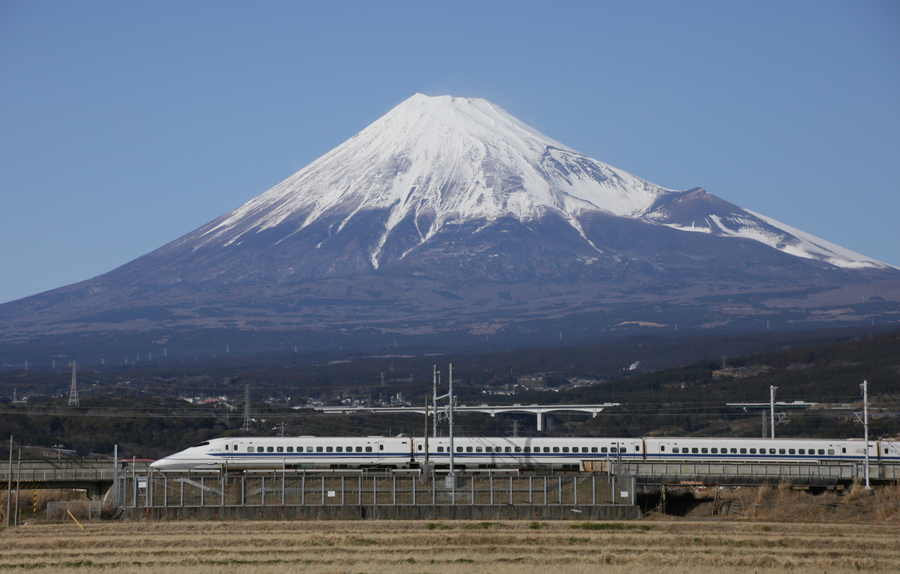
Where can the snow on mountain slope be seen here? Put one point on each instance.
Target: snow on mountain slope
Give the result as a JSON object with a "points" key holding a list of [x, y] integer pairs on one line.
{"points": [[442, 160]]}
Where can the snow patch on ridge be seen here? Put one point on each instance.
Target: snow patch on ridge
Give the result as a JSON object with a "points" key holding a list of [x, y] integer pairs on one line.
{"points": [[459, 160]]}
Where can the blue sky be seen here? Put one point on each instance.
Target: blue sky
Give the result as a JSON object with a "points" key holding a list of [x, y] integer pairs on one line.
{"points": [[125, 125]]}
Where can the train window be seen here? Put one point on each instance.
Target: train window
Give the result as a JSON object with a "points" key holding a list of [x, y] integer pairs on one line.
{"points": [[249, 449], [280, 449], [792, 451], [752, 451], [821, 451], [802, 451], [662, 448], [704, 450], [468, 449], [368, 449], [359, 449], [226, 447], [555, 449], [329, 449], [290, 449], [637, 448], [566, 449], [420, 447], [594, 449], [527, 449], [831, 451], [743, 451], [477, 449], [440, 449], [339, 449], [318, 449], [309, 449], [781, 451], [843, 450], [612, 449], [624, 449], [771, 451], [488, 449], [714, 450], [734, 451], [509, 449], [603, 449], [381, 447], [675, 449], [518, 449], [459, 449], [694, 450]]}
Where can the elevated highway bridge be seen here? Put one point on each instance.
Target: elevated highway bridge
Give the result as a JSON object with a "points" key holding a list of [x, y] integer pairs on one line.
{"points": [[94, 476]]}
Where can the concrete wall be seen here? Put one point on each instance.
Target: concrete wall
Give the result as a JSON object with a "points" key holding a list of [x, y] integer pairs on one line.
{"points": [[418, 512]]}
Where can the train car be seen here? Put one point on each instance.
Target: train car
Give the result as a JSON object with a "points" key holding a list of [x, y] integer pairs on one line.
{"points": [[244, 453], [397, 452], [762, 450]]}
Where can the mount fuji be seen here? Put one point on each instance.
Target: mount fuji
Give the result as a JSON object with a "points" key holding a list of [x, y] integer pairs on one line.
{"points": [[450, 216]]}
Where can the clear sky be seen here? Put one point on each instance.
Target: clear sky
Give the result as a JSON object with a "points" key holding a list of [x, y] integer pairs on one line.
{"points": [[125, 125]]}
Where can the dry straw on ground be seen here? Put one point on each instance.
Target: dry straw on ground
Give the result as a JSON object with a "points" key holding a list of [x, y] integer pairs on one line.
{"points": [[781, 530], [451, 547]]}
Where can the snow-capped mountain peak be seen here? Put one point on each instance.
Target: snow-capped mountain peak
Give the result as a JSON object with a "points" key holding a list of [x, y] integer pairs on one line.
{"points": [[434, 161]]}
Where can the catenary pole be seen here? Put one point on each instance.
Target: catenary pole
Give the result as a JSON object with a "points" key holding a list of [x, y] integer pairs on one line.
{"points": [[9, 483], [865, 390], [772, 390]]}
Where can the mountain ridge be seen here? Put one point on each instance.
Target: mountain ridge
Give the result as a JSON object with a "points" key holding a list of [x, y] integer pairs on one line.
{"points": [[449, 215]]}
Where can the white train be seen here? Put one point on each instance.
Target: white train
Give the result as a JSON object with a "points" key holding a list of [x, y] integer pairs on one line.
{"points": [[306, 452]]}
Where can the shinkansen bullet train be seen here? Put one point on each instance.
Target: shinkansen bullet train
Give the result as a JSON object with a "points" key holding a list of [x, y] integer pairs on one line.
{"points": [[510, 453]]}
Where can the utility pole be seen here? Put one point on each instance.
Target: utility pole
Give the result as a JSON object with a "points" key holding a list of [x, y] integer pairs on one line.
{"points": [[772, 390], [865, 389], [451, 477], [9, 482], [73, 392], [434, 403], [426, 431]]}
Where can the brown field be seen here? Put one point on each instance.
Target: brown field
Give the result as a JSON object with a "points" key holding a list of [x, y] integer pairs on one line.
{"points": [[415, 547], [778, 530]]}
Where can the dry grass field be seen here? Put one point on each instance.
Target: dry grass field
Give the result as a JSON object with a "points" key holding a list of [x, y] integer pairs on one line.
{"points": [[777, 530], [689, 546]]}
